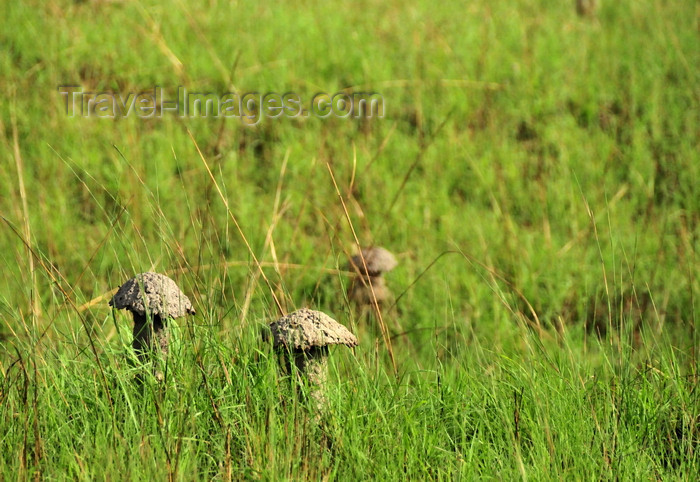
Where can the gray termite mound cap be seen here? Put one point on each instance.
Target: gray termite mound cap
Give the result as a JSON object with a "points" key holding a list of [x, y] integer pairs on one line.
{"points": [[378, 260], [160, 297], [305, 329]]}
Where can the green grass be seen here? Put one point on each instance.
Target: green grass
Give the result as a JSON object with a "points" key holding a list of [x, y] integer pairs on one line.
{"points": [[536, 174]]}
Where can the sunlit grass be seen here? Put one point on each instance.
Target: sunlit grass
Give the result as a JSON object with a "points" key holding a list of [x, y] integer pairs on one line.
{"points": [[535, 174]]}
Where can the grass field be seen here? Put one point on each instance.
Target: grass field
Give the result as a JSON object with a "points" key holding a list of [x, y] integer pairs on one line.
{"points": [[535, 172]]}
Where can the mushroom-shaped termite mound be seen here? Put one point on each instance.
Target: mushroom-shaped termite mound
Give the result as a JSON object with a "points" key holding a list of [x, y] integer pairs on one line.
{"points": [[586, 7], [369, 285], [303, 337], [153, 299], [377, 260]]}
